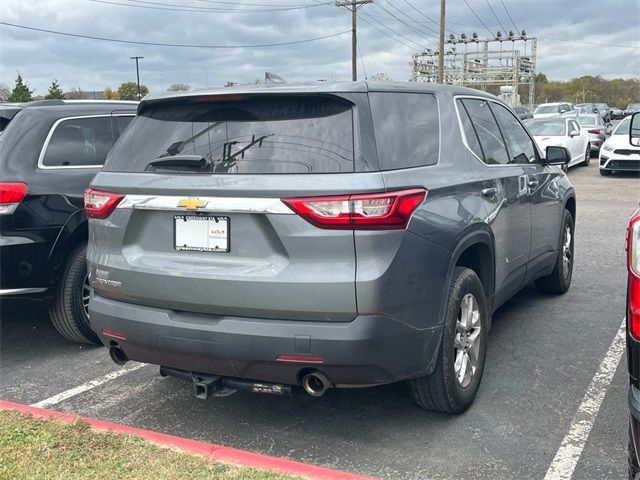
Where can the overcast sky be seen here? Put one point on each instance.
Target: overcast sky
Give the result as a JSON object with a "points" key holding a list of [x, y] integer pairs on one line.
{"points": [[577, 37]]}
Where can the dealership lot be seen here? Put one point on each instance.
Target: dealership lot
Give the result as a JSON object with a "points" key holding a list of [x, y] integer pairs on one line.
{"points": [[543, 354]]}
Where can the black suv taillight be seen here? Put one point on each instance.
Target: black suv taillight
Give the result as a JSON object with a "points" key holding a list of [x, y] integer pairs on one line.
{"points": [[11, 194]]}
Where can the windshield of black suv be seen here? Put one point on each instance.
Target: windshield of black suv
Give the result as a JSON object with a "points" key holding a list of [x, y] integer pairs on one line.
{"points": [[238, 134], [549, 128]]}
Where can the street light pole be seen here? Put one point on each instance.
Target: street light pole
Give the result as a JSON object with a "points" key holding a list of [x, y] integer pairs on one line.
{"points": [[137, 74]]}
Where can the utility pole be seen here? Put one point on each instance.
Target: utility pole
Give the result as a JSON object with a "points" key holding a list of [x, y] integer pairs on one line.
{"points": [[354, 4], [441, 47], [137, 74]]}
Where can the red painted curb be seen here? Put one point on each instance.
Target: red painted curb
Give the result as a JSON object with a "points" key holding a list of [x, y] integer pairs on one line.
{"points": [[208, 450]]}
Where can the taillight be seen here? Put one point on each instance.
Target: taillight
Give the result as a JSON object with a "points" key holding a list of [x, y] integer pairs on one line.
{"points": [[99, 204], [369, 211], [594, 130], [11, 194], [633, 264]]}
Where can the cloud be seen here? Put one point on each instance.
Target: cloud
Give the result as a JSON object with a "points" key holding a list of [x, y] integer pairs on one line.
{"points": [[93, 65]]}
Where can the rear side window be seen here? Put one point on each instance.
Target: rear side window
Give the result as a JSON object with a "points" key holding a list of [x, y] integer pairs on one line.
{"points": [[489, 136], [79, 142], [407, 129], [260, 134]]}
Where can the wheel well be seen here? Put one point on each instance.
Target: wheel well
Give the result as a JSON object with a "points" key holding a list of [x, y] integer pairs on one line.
{"points": [[478, 258], [571, 206]]}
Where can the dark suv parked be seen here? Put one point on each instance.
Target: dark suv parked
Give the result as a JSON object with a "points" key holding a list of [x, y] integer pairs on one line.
{"points": [[49, 152], [330, 235]]}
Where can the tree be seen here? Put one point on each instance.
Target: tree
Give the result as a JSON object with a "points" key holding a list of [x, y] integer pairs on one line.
{"points": [[129, 91], [21, 92], [55, 92], [178, 87], [76, 93], [5, 91], [230, 84], [109, 94], [381, 77]]}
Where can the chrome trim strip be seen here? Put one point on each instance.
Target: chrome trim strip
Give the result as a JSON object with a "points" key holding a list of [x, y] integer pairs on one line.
{"points": [[213, 204], [20, 291], [42, 166]]}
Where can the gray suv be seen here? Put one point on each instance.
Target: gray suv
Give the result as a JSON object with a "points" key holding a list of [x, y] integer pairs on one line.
{"points": [[326, 235]]}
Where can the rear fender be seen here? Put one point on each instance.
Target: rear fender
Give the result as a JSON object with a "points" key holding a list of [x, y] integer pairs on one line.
{"points": [[475, 234], [72, 233]]}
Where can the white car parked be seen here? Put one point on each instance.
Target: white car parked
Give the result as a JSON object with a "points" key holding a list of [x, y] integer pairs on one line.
{"points": [[562, 132], [545, 110], [616, 154]]}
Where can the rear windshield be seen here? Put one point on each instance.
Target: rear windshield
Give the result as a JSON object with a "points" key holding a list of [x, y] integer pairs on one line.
{"points": [[546, 109], [242, 135], [586, 121], [546, 129]]}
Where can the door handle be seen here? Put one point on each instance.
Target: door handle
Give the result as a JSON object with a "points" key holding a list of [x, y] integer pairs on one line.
{"points": [[489, 192]]}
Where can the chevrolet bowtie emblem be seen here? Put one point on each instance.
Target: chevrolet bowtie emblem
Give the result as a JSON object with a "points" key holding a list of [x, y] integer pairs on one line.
{"points": [[192, 203]]}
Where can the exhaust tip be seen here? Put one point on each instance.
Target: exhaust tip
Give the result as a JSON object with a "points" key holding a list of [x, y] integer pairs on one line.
{"points": [[315, 384], [117, 355]]}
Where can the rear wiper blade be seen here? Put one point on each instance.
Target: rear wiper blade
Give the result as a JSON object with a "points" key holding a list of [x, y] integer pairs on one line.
{"points": [[180, 161]]}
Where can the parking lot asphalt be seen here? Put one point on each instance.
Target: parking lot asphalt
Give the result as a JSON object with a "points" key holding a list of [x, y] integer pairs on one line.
{"points": [[543, 353]]}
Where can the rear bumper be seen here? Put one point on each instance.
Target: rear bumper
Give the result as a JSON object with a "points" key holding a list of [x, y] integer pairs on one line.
{"points": [[369, 350], [23, 264], [634, 407]]}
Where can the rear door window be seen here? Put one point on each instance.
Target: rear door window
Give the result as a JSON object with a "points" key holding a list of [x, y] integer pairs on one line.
{"points": [[407, 129], [79, 142], [493, 146], [260, 134]]}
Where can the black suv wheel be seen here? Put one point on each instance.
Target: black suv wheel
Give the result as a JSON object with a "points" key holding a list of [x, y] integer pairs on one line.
{"points": [[69, 312]]}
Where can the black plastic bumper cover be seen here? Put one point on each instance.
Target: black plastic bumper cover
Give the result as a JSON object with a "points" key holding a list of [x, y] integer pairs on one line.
{"points": [[369, 350]]}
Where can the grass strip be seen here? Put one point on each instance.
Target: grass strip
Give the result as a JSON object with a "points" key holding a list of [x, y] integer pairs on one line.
{"points": [[36, 449]]}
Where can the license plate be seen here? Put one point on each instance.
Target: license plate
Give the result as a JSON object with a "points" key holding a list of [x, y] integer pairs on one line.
{"points": [[201, 233]]}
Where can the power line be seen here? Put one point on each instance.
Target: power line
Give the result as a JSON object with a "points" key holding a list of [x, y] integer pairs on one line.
{"points": [[404, 22], [387, 35], [479, 19], [191, 8], [509, 15], [410, 40], [424, 15], [177, 45], [245, 4], [496, 17]]}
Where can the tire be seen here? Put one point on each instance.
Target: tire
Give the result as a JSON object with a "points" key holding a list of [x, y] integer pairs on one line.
{"points": [[67, 312], [605, 173], [634, 468], [587, 156], [443, 391], [559, 280]]}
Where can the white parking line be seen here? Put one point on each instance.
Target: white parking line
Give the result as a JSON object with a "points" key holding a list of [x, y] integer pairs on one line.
{"points": [[568, 455], [61, 397]]}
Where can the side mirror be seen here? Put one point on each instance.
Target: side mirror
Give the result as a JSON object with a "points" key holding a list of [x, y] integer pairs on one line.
{"points": [[556, 156], [574, 133], [634, 130]]}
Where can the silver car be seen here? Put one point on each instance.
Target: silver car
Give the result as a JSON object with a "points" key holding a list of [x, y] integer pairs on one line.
{"points": [[324, 235], [595, 127]]}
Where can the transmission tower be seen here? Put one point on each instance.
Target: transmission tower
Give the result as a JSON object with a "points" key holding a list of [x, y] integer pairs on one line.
{"points": [[508, 62]]}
